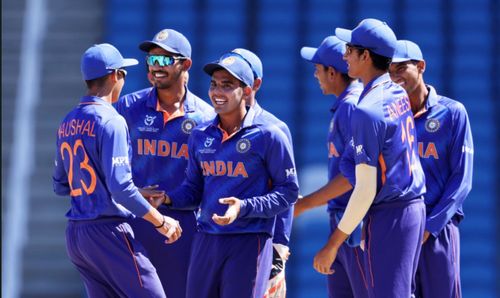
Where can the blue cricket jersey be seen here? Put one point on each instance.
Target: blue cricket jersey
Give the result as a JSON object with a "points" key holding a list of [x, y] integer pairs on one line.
{"points": [[157, 140], [384, 136], [338, 140], [92, 163], [284, 220], [446, 152], [244, 166]]}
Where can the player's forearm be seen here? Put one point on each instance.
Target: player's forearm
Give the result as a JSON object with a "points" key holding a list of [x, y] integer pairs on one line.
{"points": [[333, 189], [154, 217], [361, 198], [269, 205]]}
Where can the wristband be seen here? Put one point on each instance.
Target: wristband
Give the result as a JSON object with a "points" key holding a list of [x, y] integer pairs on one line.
{"points": [[162, 223]]}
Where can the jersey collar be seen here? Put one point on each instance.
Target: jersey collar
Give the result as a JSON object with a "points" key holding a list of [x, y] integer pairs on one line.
{"points": [[353, 88], [432, 97], [89, 100], [189, 102], [382, 79]]}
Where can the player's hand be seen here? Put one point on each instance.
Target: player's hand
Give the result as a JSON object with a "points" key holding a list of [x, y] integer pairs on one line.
{"points": [[157, 201], [324, 259], [170, 229], [232, 211], [426, 236], [151, 192], [300, 206]]}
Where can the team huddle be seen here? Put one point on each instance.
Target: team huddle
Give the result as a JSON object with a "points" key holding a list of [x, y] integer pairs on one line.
{"points": [[172, 197]]}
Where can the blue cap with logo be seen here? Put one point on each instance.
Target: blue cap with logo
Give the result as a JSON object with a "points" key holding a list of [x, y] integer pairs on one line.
{"points": [[329, 53], [253, 60], [235, 65], [371, 34], [169, 40], [102, 59], [407, 50]]}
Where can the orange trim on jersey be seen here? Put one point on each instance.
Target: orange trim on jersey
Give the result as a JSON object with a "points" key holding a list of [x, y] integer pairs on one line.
{"points": [[368, 246], [225, 135], [167, 116], [383, 167], [133, 258]]}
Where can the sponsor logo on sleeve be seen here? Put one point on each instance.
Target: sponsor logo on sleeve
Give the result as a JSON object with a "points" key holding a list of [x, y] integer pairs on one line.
{"points": [[120, 161], [290, 172], [359, 149]]}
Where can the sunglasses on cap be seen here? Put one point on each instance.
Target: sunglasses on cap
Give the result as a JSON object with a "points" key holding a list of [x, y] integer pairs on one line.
{"points": [[162, 60]]}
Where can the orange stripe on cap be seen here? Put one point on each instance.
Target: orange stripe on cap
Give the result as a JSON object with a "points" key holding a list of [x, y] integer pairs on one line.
{"points": [[383, 167]]}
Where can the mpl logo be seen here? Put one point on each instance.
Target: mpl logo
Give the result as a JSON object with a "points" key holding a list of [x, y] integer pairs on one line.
{"points": [[290, 172], [359, 149], [208, 142], [120, 161], [149, 120]]}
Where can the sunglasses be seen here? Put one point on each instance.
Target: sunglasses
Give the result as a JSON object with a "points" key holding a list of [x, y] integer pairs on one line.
{"points": [[162, 60], [349, 47]]}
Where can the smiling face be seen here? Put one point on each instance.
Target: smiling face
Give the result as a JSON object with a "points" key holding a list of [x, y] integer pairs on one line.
{"points": [[407, 74], [227, 93], [164, 77]]}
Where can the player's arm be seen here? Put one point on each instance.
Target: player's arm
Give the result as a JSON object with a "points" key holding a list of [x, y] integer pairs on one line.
{"points": [[60, 178], [334, 188], [459, 183], [281, 167], [115, 161], [360, 201]]}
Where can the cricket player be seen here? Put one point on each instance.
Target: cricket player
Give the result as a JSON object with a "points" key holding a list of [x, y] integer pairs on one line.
{"points": [[446, 152], [389, 178], [233, 160], [331, 73], [277, 283], [160, 120], [92, 166]]}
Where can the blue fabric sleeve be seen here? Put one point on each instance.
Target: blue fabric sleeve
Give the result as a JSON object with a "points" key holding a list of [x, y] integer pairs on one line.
{"points": [[368, 135], [281, 167], [115, 161], [60, 178], [459, 183], [283, 226]]}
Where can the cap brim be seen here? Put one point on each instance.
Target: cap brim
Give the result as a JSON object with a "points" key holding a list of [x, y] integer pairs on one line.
{"points": [[397, 60], [308, 53], [211, 67], [129, 62], [343, 34], [147, 45]]}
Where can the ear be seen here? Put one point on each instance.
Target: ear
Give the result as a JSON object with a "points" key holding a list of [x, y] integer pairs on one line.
{"points": [[331, 73], [256, 84], [186, 64], [421, 66], [247, 90]]}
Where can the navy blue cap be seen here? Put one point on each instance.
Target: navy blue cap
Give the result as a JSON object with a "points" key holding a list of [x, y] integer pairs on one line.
{"points": [[235, 65], [253, 60], [102, 59], [407, 50], [371, 34], [329, 53], [169, 40]]}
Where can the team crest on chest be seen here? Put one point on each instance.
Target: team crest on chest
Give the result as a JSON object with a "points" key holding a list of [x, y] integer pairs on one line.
{"points": [[432, 125], [243, 145], [188, 125], [149, 120]]}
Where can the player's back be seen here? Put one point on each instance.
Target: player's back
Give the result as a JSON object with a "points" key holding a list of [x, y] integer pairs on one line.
{"points": [[80, 139], [386, 138]]}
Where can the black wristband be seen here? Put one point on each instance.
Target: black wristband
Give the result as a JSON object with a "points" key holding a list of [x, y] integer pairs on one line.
{"points": [[162, 223]]}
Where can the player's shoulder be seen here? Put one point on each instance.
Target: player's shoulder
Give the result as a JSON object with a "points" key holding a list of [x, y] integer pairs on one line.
{"points": [[200, 108], [135, 98], [454, 107]]}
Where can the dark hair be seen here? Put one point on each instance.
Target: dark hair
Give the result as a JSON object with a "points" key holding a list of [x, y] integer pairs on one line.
{"points": [[345, 76], [380, 62], [98, 83]]}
